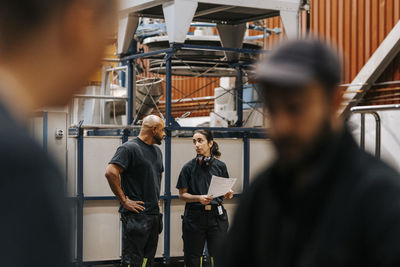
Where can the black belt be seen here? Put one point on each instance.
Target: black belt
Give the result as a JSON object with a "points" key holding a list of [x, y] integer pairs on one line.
{"points": [[208, 207]]}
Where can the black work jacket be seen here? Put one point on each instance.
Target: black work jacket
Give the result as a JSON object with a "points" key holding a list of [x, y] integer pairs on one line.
{"points": [[346, 214]]}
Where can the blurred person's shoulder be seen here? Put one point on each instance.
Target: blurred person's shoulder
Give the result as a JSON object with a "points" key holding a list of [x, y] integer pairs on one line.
{"points": [[21, 156], [259, 188], [16, 144], [375, 175], [262, 179]]}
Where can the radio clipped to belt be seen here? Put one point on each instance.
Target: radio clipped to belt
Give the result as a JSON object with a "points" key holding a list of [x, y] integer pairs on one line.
{"points": [[219, 209]]}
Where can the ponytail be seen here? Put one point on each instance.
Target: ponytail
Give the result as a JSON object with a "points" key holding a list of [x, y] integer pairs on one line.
{"points": [[215, 150]]}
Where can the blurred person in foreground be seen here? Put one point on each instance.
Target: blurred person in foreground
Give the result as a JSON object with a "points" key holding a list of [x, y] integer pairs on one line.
{"points": [[48, 49], [324, 202]]}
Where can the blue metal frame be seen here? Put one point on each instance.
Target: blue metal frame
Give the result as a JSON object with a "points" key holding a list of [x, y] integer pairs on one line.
{"points": [[144, 55], [239, 97], [218, 129], [80, 196], [237, 132], [167, 174], [130, 93]]}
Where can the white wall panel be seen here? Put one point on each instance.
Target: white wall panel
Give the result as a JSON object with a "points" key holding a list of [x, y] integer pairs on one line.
{"points": [[262, 154], [232, 155], [57, 147], [71, 166], [160, 246], [182, 151], [97, 152], [101, 231], [176, 243]]}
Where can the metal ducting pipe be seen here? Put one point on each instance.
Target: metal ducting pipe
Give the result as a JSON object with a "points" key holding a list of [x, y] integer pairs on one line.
{"points": [[148, 93]]}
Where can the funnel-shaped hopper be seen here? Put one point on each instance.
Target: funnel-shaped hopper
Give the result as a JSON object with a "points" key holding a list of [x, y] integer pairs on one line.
{"points": [[232, 36], [127, 25], [178, 15]]}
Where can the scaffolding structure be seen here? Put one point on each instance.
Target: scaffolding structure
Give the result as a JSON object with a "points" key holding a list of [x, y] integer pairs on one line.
{"points": [[132, 129]]}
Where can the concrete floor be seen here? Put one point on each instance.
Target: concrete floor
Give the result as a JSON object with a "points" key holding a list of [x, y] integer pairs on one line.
{"points": [[174, 264]]}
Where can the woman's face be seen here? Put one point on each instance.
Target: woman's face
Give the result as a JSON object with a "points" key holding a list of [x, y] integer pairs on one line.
{"points": [[201, 145]]}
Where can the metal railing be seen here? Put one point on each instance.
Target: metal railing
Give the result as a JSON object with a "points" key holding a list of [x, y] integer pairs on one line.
{"points": [[373, 110]]}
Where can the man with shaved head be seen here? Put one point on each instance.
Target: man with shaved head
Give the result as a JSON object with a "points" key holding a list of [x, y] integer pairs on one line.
{"points": [[139, 164]]}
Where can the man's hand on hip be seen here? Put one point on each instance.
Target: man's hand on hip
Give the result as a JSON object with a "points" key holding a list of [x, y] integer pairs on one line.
{"points": [[135, 206]]}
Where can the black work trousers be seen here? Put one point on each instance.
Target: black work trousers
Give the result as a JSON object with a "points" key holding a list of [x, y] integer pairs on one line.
{"points": [[140, 238], [199, 226]]}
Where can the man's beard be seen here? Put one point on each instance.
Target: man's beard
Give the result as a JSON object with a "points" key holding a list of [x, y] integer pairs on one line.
{"points": [[158, 139], [308, 154]]}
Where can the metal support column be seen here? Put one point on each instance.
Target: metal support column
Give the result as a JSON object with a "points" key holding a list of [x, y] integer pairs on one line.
{"points": [[125, 136], [239, 97], [80, 197], [362, 133], [246, 161], [167, 200], [131, 91], [377, 134], [168, 90], [169, 121]]}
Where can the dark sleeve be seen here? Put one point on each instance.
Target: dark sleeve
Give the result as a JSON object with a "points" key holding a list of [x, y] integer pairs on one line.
{"points": [[184, 177], [381, 216], [122, 157], [162, 160], [225, 171]]}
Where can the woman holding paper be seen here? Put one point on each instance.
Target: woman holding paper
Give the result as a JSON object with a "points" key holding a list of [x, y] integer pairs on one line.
{"points": [[205, 218]]}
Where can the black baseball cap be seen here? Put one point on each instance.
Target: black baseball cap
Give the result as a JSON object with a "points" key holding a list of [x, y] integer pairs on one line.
{"points": [[297, 63]]}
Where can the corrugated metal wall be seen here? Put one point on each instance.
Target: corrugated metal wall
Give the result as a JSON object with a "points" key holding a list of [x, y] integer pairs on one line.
{"points": [[191, 87], [356, 28]]}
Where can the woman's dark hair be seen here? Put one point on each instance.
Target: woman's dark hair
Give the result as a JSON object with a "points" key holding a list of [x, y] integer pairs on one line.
{"points": [[208, 135]]}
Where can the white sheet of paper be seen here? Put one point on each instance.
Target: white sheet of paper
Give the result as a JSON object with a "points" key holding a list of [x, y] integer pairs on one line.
{"points": [[220, 186]]}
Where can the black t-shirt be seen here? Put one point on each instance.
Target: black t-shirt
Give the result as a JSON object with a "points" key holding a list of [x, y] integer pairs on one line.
{"points": [[141, 179], [197, 178]]}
